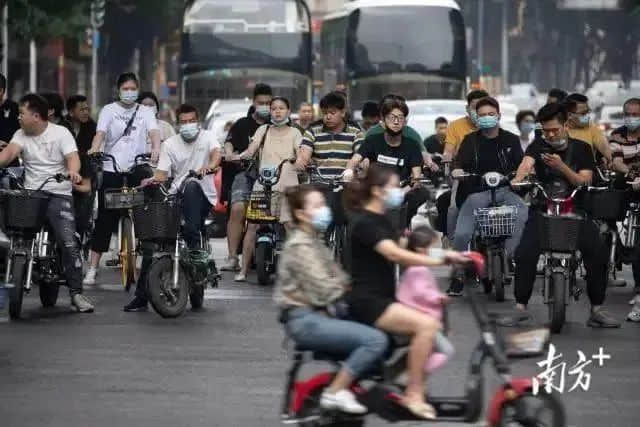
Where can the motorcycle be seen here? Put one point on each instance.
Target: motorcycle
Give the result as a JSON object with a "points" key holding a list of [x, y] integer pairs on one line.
{"points": [[514, 403], [495, 224], [33, 257], [264, 210], [176, 274]]}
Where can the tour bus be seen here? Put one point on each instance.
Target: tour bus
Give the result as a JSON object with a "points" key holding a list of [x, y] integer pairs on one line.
{"points": [[230, 45], [415, 48]]}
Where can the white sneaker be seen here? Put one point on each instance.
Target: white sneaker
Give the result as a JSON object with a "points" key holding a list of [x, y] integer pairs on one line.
{"points": [[240, 277], [231, 264], [90, 277], [343, 401]]}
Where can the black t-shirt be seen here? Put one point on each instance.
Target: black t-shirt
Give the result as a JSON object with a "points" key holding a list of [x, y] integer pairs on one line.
{"points": [[402, 158], [9, 123], [85, 135], [578, 156], [433, 145], [8, 120], [372, 274], [239, 137], [479, 154]]}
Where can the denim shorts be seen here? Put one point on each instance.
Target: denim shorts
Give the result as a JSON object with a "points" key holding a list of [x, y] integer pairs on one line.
{"points": [[241, 188]]}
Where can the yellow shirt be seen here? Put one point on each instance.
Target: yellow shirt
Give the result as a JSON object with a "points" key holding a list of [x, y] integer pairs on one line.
{"points": [[456, 132], [591, 134]]}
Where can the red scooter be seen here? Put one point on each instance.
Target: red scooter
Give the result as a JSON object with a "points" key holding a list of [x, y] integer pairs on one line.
{"points": [[513, 404]]}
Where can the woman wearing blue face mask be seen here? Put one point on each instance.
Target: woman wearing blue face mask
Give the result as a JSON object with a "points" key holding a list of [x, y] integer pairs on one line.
{"points": [[122, 131], [526, 122], [272, 143], [374, 253], [309, 284], [150, 100]]}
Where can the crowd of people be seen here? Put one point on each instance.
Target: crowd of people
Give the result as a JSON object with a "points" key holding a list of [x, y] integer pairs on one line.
{"points": [[381, 159]]}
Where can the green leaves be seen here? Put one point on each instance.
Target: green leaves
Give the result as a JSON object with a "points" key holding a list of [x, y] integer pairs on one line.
{"points": [[41, 19]]}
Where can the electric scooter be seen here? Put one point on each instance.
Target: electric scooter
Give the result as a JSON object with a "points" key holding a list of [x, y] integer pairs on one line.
{"points": [[513, 403]]}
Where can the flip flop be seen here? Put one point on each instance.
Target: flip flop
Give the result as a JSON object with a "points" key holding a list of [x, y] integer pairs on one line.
{"points": [[421, 410]]}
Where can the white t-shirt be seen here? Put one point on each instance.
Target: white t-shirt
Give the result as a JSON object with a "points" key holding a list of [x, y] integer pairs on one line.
{"points": [[44, 156], [113, 121], [178, 157]]}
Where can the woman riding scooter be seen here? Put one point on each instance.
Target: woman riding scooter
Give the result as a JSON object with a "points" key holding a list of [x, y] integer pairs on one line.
{"points": [[309, 284], [374, 253]]}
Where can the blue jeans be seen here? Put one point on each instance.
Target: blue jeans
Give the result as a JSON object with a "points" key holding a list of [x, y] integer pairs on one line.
{"points": [[195, 208], [361, 345], [466, 224]]}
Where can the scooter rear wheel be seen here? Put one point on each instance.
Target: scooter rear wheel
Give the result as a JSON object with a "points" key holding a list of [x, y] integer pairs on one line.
{"points": [[543, 409]]}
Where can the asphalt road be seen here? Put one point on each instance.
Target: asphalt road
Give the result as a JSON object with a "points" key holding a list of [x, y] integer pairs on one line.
{"points": [[225, 366]]}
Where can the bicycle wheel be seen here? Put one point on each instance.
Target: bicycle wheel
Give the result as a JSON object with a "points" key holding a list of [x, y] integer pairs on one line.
{"points": [[127, 255]]}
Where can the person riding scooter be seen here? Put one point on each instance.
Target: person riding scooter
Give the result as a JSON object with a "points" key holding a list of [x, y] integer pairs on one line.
{"points": [[490, 149]]}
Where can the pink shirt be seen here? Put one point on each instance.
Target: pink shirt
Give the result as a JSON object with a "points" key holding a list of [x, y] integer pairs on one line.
{"points": [[418, 289]]}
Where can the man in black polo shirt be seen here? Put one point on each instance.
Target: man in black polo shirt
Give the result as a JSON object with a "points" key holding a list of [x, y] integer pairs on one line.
{"points": [[236, 187], [561, 163]]}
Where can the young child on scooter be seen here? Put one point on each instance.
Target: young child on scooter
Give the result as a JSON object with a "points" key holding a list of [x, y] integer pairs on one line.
{"points": [[418, 289]]}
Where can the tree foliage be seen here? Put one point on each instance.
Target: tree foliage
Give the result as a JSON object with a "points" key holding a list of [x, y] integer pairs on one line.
{"points": [[41, 19]]}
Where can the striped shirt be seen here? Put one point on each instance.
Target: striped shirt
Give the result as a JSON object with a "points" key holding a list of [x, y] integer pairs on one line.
{"points": [[332, 151]]}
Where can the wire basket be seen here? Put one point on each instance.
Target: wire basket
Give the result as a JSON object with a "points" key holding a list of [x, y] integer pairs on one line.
{"points": [[157, 221], [24, 210], [559, 233], [609, 205], [262, 208], [496, 221], [118, 198]]}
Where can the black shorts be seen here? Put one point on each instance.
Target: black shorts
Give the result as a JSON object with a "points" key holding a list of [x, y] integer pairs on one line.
{"points": [[367, 309]]}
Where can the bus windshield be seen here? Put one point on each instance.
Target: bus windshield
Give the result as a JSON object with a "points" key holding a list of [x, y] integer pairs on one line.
{"points": [[373, 51], [246, 33]]}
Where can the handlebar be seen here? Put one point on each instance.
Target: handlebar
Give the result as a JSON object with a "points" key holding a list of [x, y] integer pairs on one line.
{"points": [[557, 200], [334, 181], [103, 157]]}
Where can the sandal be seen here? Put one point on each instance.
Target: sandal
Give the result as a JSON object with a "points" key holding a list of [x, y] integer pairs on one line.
{"points": [[421, 410]]}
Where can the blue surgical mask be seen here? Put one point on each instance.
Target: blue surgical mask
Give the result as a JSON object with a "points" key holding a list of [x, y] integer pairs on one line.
{"points": [[282, 122], [189, 131], [473, 115], [394, 198], [263, 111], [128, 97], [322, 218], [632, 123], [527, 127], [487, 122], [585, 119]]}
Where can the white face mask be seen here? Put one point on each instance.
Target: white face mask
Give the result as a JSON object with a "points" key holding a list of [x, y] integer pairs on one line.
{"points": [[128, 97]]}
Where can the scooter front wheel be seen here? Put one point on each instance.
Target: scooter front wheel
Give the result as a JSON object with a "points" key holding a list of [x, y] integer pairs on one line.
{"points": [[165, 300], [264, 255], [557, 302], [529, 410], [498, 276]]}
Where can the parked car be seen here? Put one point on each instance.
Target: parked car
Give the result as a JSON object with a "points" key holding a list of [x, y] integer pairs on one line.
{"points": [[524, 95], [424, 112], [604, 92], [611, 117], [223, 111]]}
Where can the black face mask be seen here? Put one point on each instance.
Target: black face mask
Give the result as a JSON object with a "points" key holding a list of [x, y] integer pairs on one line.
{"points": [[393, 133]]}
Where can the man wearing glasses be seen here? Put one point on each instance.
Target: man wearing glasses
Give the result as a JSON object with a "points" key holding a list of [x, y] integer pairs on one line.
{"points": [[395, 150]]}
